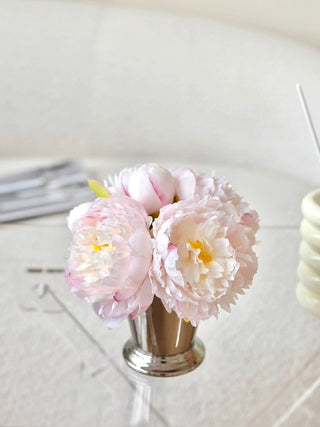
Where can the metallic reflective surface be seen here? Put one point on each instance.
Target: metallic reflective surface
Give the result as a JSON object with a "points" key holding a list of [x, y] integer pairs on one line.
{"points": [[162, 344]]}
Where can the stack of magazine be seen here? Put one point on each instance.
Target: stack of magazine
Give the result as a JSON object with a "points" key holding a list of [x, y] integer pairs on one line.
{"points": [[43, 191]]}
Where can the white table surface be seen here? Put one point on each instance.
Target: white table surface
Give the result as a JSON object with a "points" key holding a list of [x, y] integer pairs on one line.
{"points": [[61, 367]]}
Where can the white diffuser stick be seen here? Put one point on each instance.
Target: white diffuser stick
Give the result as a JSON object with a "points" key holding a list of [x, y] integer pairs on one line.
{"points": [[308, 117]]}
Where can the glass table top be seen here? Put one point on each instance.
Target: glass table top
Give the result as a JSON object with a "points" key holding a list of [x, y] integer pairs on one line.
{"points": [[62, 366]]}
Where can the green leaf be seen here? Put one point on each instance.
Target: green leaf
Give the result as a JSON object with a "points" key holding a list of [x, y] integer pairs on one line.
{"points": [[98, 188]]}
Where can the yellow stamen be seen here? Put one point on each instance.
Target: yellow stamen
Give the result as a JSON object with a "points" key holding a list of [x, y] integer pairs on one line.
{"points": [[186, 319], [204, 255], [98, 248]]}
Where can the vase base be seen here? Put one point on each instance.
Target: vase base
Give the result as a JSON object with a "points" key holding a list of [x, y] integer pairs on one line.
{"points": [[163, 366]]}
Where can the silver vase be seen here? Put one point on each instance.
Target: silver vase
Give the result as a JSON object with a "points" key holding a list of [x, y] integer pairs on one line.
{"points": [[162, 345]]}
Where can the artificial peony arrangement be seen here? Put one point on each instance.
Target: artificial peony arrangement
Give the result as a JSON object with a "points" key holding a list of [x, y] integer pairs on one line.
{"points": [[186, 238]]}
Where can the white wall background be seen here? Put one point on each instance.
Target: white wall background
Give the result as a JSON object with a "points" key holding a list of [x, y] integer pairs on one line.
{"points": [[83, 78], [294, 18]]}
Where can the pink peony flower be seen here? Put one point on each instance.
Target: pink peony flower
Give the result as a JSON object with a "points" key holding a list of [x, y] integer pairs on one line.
{"points": [[76, 213], [151, 185], [199, 259], [110, 257], [190, 186], [202, 257]]}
